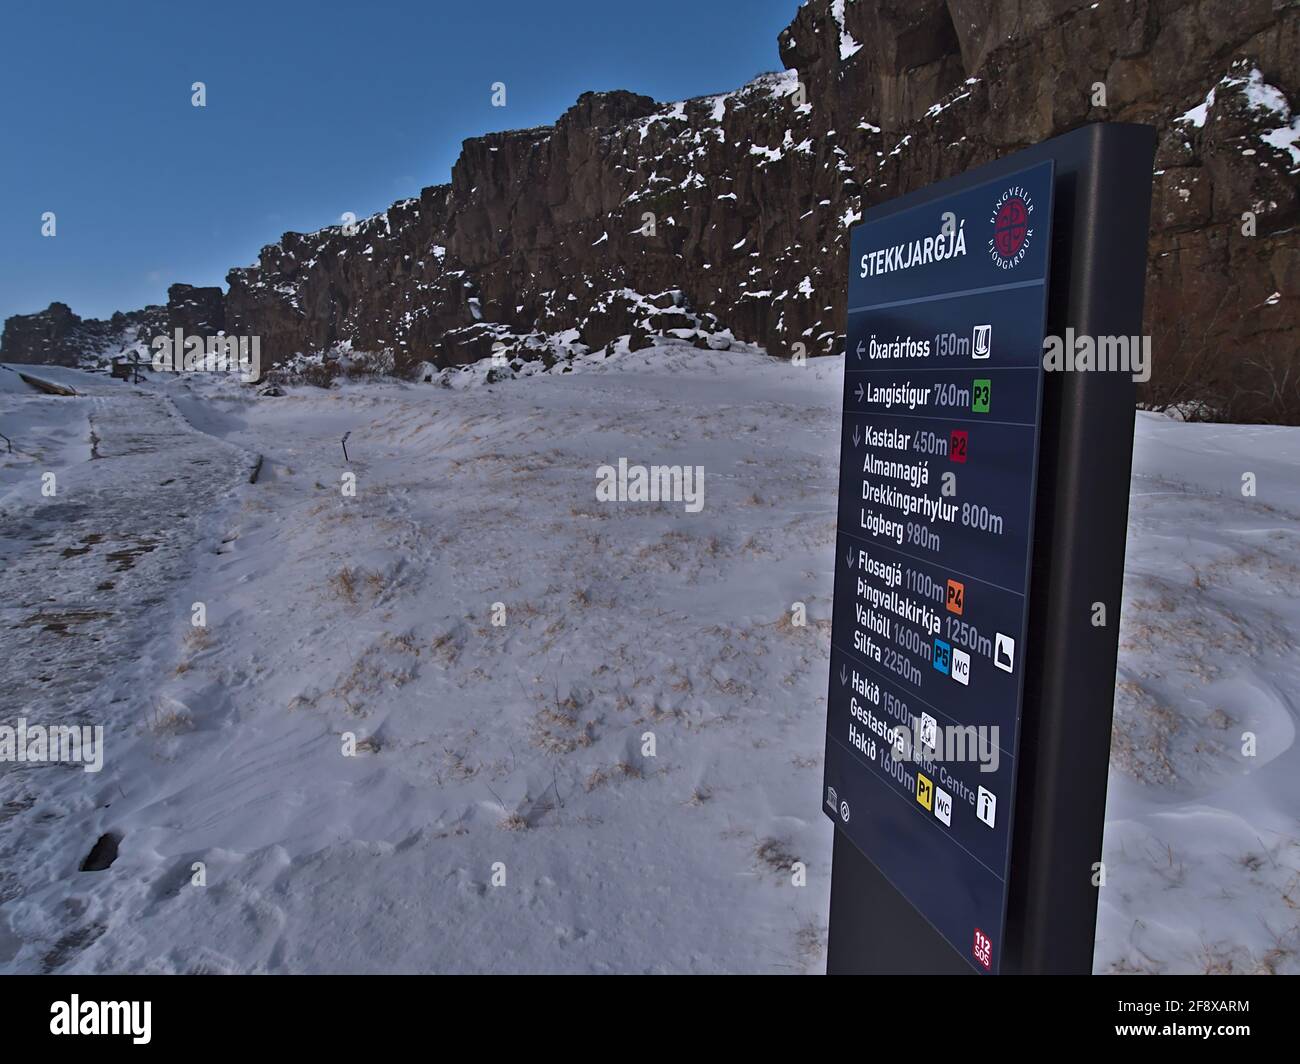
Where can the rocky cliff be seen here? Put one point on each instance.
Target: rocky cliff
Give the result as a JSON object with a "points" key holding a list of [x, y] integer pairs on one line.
{"points": [[56, 336], [728, 216]]}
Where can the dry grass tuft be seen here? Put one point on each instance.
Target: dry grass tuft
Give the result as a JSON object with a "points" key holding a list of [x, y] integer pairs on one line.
{"points": [[169, 720], [774, 853], [601, 776], [349, 582], [698, 797]]}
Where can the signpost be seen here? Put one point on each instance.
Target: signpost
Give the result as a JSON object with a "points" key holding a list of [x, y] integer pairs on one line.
{"points": [[982, 516]]}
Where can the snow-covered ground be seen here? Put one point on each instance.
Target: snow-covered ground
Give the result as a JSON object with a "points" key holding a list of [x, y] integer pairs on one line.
{"points": [[503, 811], [1202, 843]]}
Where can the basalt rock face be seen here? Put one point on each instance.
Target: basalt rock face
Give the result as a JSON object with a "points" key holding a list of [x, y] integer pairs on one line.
{"points": [[965, 81], [196, 311], [43, 337], [727, 216], [56, 336]]}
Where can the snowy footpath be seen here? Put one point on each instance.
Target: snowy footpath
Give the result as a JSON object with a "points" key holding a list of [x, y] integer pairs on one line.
{"points": [[467, 717]]}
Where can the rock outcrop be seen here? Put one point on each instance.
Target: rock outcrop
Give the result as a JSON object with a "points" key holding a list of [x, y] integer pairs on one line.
{"points": [[56, 336], [728, 216], [196, 311]]}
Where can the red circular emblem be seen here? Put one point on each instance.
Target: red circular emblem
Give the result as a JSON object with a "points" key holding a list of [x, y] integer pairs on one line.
{"points": [[1010, 227]]}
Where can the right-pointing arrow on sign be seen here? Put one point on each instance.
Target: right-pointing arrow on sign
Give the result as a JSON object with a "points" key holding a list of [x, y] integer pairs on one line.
{"points": [[858, 392]]}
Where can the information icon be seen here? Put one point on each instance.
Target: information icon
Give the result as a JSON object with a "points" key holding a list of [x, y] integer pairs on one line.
{"points": [[986, 806]]}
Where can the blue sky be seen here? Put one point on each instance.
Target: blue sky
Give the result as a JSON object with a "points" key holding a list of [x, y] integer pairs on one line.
{"points": [[312, 109]]}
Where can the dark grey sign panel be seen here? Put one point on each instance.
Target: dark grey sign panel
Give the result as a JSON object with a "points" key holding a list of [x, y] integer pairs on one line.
{"points": [[970, 697], [939, 451]]}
